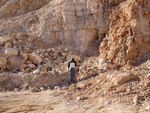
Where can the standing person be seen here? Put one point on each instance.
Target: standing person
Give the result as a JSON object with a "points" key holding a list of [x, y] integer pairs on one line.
{"points": [[71, 66]]}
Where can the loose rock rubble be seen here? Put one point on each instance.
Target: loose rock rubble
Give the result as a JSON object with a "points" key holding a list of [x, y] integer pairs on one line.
{"points": [[29, 59], [128, 85], [24, 55]]}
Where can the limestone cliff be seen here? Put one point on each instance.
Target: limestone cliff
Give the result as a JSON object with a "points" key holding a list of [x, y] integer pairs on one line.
{"points": [[75, 24]]}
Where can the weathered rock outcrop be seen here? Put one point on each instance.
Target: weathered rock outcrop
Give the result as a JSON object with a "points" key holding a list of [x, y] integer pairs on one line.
{"points": [[17, 7], [128, 40]]}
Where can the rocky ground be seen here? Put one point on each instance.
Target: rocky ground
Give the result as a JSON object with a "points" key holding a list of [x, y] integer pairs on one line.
{"points": [[34, 78], [125, 90], [56, 101]]}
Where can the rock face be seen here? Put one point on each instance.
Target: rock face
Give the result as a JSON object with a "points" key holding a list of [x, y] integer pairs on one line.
{"points": [[18, 7], [121, 25], [128, 40], [77, 25]]}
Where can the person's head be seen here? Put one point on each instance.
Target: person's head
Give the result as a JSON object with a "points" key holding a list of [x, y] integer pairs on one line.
{"points": [[72, 59]]}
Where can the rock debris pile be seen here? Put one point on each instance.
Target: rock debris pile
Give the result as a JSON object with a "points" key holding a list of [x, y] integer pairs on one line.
{"points": [[128, 85], [23, 53], [25, 56]]}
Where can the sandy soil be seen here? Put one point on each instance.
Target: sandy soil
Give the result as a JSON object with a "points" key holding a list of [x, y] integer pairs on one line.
{"points": [[60, 101]]}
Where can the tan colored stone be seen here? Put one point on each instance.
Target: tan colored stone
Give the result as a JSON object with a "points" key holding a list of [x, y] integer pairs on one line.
{"points": [[25, 56], [34, 89], [4, 39], [23, 66], [32, 66], [3, 62], [15, 61], [28, 70], [101, 63], [11, 52], [20, 43], [8, 45], [135, 100], [44, 67], [122, 78], [37, 71], [93, 73], [35, 58], [109, 66], [72, 87], [127, 31], [28, 62]]}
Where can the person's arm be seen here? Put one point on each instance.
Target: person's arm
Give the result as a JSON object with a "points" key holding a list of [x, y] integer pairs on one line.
{"points": [[75, 63], [68, 66]]}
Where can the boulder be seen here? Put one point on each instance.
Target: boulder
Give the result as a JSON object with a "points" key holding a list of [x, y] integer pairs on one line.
{"points": [[4, 39], [122, 78], [34, 89], [44, 68], [37, 71], [15, 61], [8, 45], [11, 52], [109, 66], [32, 66], [25, 56], [93, 73], [23, 66], [72, 87], [3, 62], [42, 89], [101, 63], [35, 58]]}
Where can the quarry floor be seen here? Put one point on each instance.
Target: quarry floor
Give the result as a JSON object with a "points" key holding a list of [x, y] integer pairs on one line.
{"points": [[68, 99]]}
